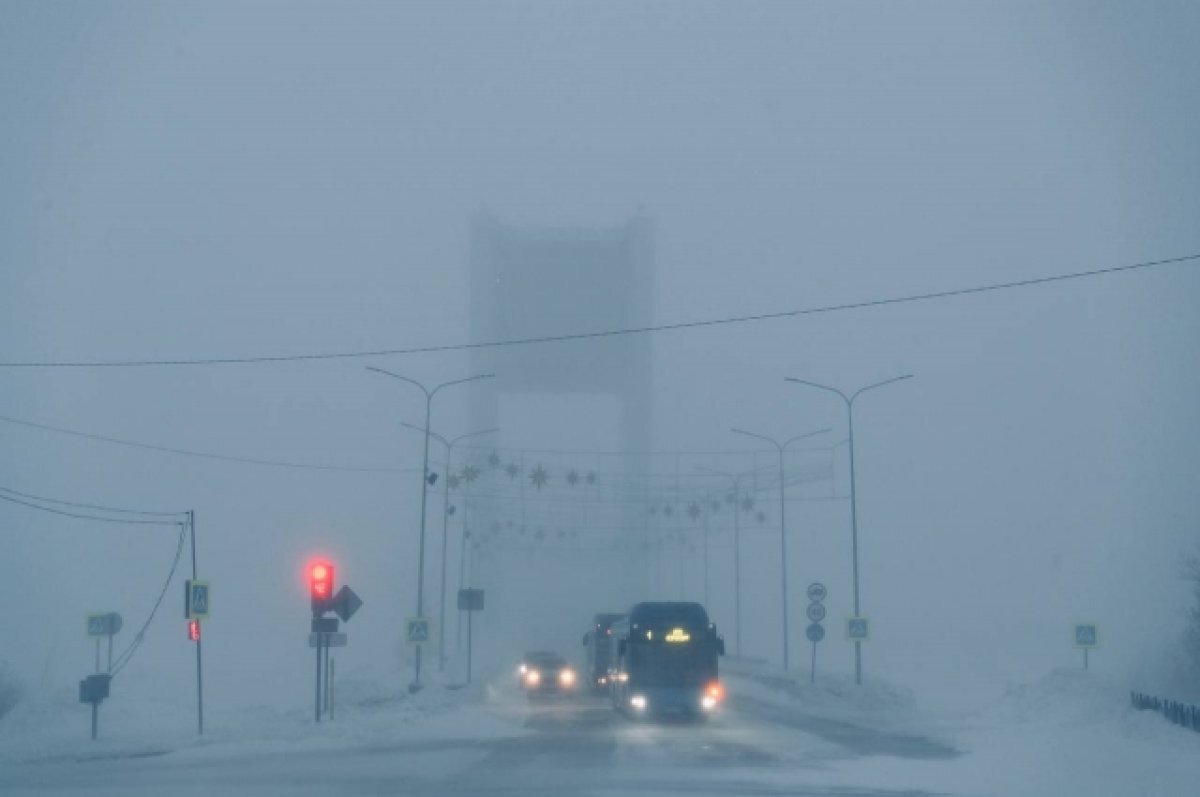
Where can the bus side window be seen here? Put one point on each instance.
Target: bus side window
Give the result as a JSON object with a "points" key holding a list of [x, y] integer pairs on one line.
{"points": [[622, 646]]}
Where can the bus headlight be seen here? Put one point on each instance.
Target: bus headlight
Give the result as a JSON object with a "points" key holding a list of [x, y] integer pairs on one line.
{"points": [[708, 702], [567, 677], [638, 702]]}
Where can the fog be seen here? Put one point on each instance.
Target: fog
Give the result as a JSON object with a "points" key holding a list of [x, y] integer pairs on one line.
{"points": [[267, 180]]}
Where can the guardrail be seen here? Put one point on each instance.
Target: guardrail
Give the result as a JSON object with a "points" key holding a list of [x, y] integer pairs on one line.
{"points": [[1179, 713]]}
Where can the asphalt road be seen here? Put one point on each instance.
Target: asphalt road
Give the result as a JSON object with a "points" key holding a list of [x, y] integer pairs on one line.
{"points": [[576, 747]]}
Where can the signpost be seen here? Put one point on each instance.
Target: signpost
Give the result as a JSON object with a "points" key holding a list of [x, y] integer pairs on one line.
{"points": [[1086, 638], [94, 688], [815, 632], [470, 601]]}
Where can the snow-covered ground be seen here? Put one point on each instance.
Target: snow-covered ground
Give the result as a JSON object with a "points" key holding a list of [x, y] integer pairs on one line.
{"points": [[1068, 733]]}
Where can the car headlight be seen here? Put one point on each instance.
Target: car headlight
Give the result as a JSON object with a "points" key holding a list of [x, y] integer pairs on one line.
{"points": [[567, 677], [638, 702], [533, 678]]}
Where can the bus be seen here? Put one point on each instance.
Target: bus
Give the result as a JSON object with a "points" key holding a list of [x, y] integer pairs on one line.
{"points": [[666, 660], [598, 641]]}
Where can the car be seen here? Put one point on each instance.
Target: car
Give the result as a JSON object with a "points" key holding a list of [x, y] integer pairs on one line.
{"points": [[545, 673]]}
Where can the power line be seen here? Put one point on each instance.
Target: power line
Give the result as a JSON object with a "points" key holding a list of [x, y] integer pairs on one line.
{"points": [[709, 322], [275, 463], [89, 506], [80, 516], [127, 654]]}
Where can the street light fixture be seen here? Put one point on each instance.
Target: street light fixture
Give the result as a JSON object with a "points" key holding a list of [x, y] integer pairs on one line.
{"points": [[782, 524], [429, 394], [849, 401]]}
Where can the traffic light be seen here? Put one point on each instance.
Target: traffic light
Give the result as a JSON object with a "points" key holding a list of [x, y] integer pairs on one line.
{"points": [[194, 630], [320, 582]]}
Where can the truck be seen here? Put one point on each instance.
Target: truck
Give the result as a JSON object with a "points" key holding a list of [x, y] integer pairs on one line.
{"points": [[599, 644]]}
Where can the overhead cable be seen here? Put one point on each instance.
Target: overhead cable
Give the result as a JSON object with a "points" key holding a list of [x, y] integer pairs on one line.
{"points": [[607, 333]]}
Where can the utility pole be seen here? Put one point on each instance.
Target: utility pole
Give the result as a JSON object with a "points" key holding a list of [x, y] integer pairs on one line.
{"points": [[849, 402], [191, 521], [429, 394], [783, 557]]}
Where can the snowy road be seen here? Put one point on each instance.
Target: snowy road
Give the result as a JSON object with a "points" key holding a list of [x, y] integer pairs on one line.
{"points": [[554, 748]]}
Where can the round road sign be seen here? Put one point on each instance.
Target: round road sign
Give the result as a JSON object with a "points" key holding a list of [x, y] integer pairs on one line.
{"points": [[815, 632], [816, 592], [816, 612]]}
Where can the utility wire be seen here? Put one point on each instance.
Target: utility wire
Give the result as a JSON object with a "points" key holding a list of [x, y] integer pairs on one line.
{"points": [[275, 463], [709, 322], [89, 506], [80, 516], [127, 654]]}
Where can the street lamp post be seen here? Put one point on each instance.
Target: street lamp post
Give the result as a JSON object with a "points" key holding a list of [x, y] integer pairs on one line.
{"points": [[849, 402], [782, 525], [429, 394], [735, 481], [449, 444]]}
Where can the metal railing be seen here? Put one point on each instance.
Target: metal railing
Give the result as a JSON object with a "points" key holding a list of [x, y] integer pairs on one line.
{"points": [[1179, 713]]}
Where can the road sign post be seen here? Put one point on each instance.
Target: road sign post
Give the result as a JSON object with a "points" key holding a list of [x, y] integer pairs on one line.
{"points": [[1086, 638], [815, 632], [94, 689], [470, 601]]}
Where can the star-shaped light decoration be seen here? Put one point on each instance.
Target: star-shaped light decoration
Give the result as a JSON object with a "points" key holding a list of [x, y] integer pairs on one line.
{"points": [[452, 482], [747, 503], [573, 477], [693, 510], [470, 473], [590, 478], [539, 477], [512, 470], [493, 460]]}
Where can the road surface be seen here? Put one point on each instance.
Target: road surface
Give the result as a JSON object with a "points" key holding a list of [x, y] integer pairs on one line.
{"points": [[557, 747]]}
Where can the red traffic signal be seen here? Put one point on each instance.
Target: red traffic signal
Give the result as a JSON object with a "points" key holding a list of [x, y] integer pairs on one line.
{"points": [[194, 630], [320, 585]]}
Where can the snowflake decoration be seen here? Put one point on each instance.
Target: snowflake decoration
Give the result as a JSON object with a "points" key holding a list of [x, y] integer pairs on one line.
{"points": [[539, 477], [512, 470], [493, 460], [693, 510], [470, 473], [573, 477], [452, 482], [590, 478]]}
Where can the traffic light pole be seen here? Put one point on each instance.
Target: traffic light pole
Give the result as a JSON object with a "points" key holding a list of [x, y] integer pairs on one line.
{"points": [[317, 700], [199, 666]]}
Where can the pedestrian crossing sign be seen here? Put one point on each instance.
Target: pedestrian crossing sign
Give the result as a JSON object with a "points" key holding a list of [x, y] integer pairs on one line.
{"points": [[417, 630], [196, 600]]}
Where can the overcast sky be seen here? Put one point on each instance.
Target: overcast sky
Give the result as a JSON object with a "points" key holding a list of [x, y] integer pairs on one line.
{"points": [[242, 179]]}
